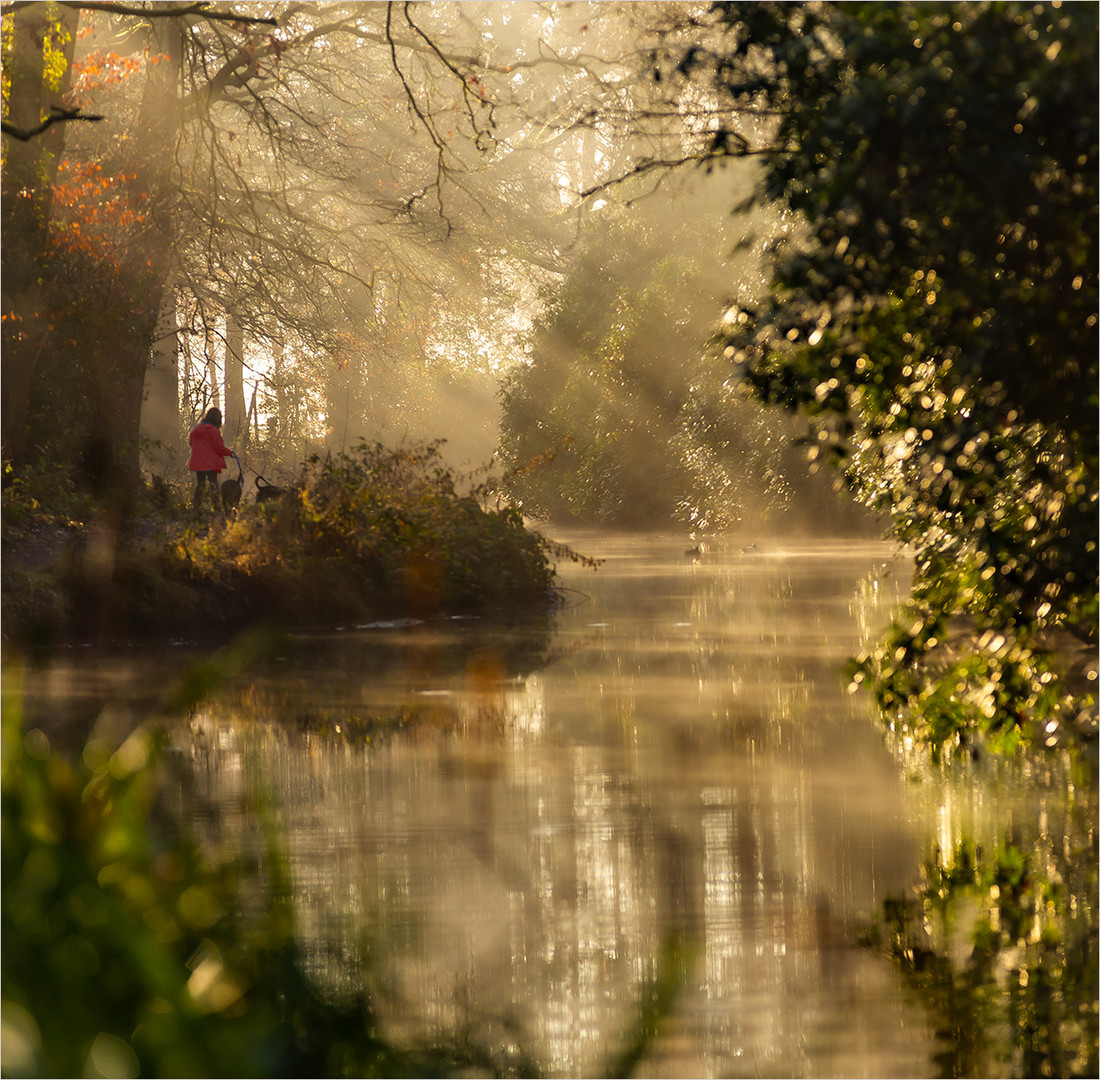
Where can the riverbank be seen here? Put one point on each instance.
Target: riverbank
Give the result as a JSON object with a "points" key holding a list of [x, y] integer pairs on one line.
{"points": [[372, 535]]}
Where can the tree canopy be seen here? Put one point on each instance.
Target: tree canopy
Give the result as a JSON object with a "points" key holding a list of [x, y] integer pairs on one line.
{"points": [[936, 318], [623, 416], [311, 194]]}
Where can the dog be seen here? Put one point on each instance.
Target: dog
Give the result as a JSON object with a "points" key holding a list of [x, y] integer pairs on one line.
{"points": [[266, 491], [231, 490], [231, 495]]}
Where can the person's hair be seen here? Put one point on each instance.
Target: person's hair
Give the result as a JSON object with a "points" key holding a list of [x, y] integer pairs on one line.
{"points": [[213, 416]]}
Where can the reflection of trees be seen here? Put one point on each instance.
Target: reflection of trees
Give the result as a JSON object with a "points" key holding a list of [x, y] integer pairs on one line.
{"points": [[1006, 950], [514, 865], [999, 932], [537, 893]]}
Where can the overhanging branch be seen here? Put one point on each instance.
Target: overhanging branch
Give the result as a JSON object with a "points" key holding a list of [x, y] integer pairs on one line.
{"points": [[156, 11], [649, 164], [57, 116]]}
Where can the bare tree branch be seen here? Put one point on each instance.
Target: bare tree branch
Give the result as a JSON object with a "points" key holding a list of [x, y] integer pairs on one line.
{"points": [[57, 115], [157, 11], [468, 97], [704, 157], [425, 120]]}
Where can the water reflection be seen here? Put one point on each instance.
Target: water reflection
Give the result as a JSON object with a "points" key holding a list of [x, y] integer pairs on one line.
{"points": [[500, 829], [999, 928], [510, 861]]}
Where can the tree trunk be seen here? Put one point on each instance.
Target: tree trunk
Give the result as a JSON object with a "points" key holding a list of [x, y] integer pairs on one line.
{"points": [[213, 396], [84, 388], [161, 429], [234, 429], [338, 406], [279, 430], [24, 225], [121, 373], [124, 329]]}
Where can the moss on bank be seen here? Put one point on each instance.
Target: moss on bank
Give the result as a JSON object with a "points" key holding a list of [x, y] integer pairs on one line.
{"points": [[373, 533]]}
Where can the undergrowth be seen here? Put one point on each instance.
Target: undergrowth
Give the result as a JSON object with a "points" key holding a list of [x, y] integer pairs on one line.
{"points": [[374, 532]]}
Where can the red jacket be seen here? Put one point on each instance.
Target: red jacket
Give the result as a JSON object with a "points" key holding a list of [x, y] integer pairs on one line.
{"points": [[208, 452]]}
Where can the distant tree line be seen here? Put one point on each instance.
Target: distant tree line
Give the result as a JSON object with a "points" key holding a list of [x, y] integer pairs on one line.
{"points": [[624, 417]]}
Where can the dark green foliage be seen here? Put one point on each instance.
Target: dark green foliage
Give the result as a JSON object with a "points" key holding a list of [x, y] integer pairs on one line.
{"points": [[937, 320]]}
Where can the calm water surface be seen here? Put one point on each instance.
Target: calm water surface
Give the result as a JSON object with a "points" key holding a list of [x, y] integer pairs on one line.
{"points": [[687, 763], [506, 825]]}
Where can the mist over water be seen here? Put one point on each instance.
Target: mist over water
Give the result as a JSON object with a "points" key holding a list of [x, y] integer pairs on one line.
{"points": [[513, 830], [687, 766]]}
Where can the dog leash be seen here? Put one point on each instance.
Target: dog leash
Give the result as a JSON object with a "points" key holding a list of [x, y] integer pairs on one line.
{"points": [[260, 480]]}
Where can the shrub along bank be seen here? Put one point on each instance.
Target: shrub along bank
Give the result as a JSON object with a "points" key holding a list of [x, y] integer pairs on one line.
{"points": [[373, 533]]}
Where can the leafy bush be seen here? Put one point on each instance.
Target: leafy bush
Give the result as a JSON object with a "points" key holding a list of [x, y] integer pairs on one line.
{"points": [[377, 531]]}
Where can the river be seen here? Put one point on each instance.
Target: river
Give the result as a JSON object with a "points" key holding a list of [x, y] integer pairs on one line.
{"points": [[517, 821]]}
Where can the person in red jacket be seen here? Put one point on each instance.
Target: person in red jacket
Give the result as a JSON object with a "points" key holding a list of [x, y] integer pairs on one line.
{"points": [[208, 454]]}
